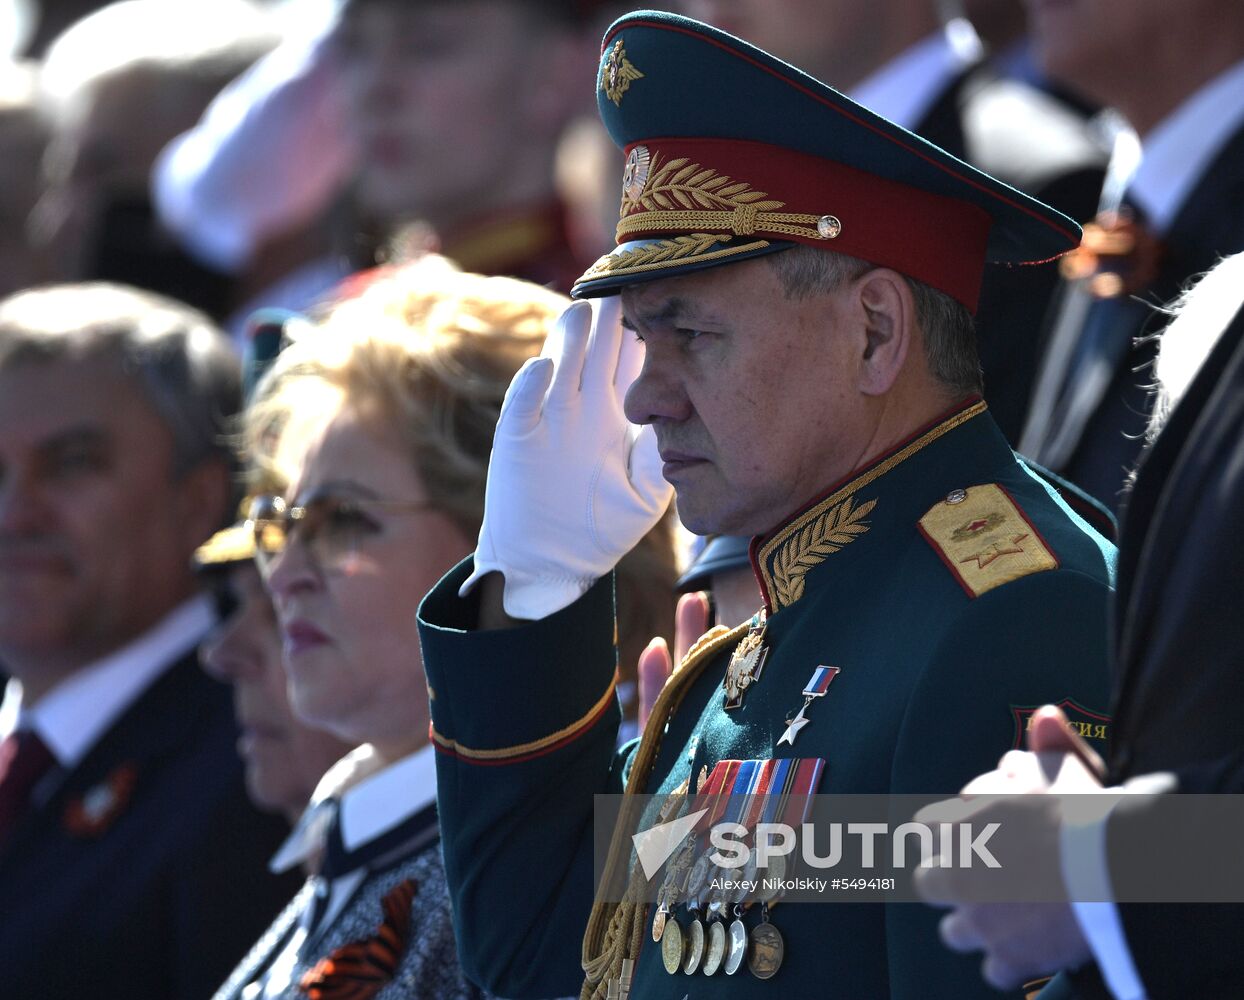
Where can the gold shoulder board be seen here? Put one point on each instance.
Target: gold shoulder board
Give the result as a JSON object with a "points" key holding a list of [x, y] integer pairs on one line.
{"points": [[984, 539]]}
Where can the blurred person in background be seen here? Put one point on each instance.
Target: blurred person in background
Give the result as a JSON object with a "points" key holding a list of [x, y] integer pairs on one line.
{"points": [[131, 863], [457, 108], [23, 137], [1171, 207], [118, 85], [428, 125], [284, 757], [1177, 647], [381, 421]]}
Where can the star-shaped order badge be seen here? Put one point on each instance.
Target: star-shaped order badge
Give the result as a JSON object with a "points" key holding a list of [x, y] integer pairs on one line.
{"points": [[816, 687]]}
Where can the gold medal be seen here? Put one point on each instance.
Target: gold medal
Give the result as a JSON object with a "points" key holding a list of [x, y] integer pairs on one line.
{"points": [[695, 946], [736, 947], [672, 947], [715, 951], [765, 951], [658, 922]]}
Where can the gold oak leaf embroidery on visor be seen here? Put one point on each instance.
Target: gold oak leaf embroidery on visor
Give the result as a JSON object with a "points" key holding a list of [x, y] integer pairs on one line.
{"points": [[667, 253], [680, 195]]}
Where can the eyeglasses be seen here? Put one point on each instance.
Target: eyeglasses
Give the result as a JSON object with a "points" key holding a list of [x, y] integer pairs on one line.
{"points": [[330, 528]]}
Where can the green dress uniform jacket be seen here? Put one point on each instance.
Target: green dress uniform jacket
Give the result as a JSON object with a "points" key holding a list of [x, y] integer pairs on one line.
{"points": [[952, 587]]}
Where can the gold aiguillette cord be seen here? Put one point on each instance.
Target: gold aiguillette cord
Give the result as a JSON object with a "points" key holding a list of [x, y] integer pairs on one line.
{"points": [[615, 930]]}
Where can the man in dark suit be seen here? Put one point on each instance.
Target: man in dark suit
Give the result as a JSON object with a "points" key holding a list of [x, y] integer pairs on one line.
{"points": [[1171, 209], [131, 864], [1177, 688]]}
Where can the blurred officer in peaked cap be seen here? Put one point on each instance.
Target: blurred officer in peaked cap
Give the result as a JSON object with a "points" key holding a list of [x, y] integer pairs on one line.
{"points": [[788, 316]]}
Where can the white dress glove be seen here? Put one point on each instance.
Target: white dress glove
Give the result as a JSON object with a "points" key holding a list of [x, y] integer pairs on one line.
{"points": [[572, 487]]}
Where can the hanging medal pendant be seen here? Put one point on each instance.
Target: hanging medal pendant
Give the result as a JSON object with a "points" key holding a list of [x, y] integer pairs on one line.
{"points": [[765, 949], [672, 947], [715, 950], [662, 916], [816, 687], [736, 943], [747, 663], [718, 908], [695, 945]]}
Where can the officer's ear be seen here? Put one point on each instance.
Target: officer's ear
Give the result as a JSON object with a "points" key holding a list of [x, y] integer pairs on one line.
{"points": [[889, 312]]}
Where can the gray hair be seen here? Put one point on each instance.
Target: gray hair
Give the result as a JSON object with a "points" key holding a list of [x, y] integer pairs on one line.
{"points": [[182, 364], [949, 332], [1198, 318]]}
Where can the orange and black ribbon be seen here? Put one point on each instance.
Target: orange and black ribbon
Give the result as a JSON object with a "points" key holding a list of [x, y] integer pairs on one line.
{"points": [[361, 969]]}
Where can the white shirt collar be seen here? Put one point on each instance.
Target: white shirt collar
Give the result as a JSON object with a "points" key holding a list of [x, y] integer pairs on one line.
{"points": [[1178, 150], [368, 807], [381, 801], [906, 87], [73, 716]]}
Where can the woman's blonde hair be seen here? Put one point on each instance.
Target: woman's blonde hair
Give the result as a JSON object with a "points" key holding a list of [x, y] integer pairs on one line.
{"points": [[430, 351], [427, 351]]}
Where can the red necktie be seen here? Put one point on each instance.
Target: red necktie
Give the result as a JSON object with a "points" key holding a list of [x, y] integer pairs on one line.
{"points": [[24, 759]]}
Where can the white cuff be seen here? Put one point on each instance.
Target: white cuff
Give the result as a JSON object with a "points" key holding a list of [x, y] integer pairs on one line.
{"points": [[1086, 875]]}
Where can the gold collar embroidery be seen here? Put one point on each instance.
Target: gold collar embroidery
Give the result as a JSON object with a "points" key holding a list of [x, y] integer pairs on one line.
{"points": [[835, 522]]}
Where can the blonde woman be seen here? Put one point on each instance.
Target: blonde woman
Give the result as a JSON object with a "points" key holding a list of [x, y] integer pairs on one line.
{"points": [[381, 420]]}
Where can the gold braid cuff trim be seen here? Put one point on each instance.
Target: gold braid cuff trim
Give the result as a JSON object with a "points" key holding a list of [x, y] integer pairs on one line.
{"points": [[832, 523], [534, 746], [615, 930], [743, 221]]}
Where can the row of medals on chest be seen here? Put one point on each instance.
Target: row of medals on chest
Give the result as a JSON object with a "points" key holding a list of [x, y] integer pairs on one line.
{"points": [[715, 939]]}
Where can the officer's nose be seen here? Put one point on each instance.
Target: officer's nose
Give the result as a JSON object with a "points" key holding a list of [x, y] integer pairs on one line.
{"points": [[657, 394]]}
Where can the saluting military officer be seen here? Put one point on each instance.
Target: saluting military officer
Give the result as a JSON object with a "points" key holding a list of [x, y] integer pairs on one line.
{"points": [[796, 278]]}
